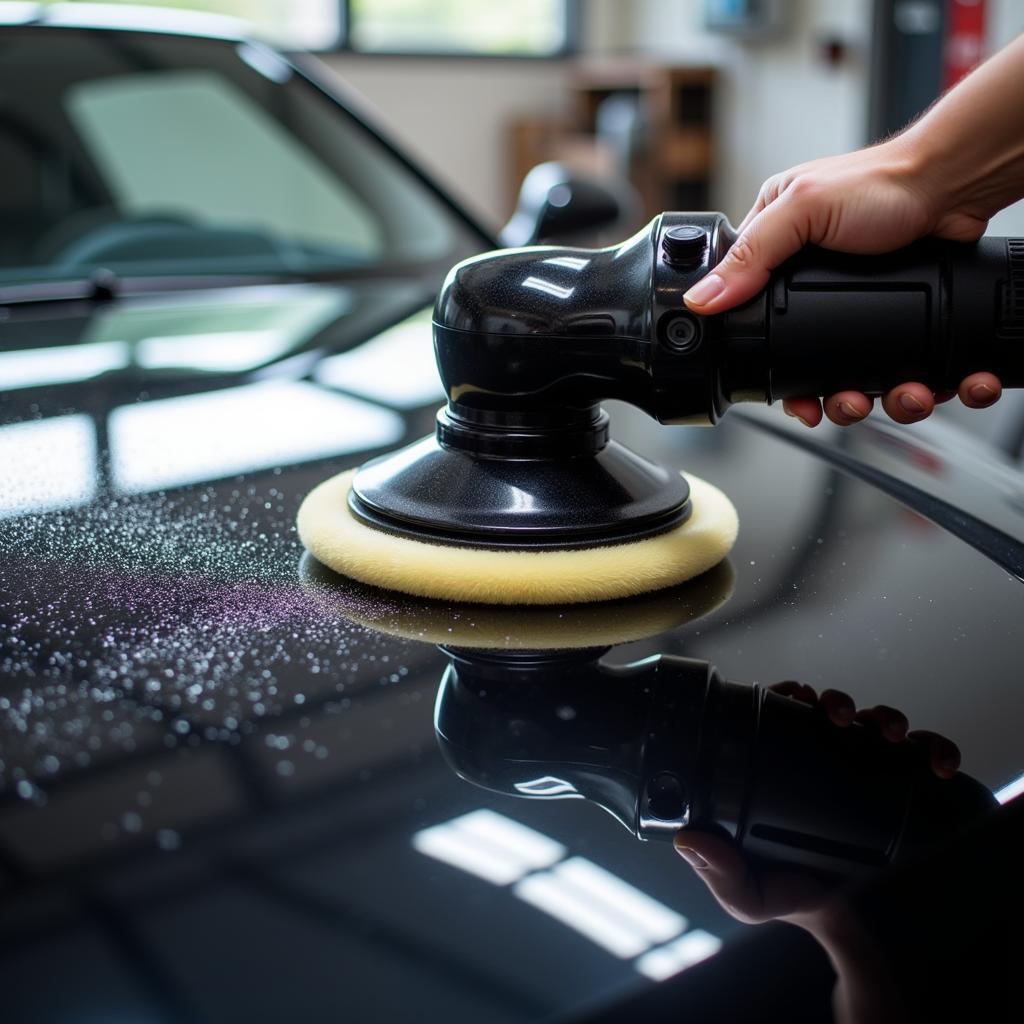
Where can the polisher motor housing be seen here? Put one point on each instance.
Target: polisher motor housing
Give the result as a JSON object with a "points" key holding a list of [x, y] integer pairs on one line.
{"points": [[530, 341]]}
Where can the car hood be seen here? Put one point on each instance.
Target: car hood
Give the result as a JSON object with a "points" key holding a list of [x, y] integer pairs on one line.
{"points": [[215, 785]]}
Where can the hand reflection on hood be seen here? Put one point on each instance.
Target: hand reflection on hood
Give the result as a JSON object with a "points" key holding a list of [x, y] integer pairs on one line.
{"points": [[754, 894]]}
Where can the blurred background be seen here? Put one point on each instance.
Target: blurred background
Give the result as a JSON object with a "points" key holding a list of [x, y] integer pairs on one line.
{"points": [[695, 101]]}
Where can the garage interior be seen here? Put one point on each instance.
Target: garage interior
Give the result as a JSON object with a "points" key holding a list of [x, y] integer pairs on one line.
{"points": [[241, 782]]}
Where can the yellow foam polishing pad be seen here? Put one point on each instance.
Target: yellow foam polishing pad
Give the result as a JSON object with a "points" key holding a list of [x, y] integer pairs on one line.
{"points": [[333, 535]]}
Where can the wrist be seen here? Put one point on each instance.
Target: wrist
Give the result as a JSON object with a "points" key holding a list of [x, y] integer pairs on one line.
{"points": [[923, 164]]}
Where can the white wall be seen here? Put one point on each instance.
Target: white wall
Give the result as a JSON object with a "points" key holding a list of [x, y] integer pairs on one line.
{"points": [[453, 113]]}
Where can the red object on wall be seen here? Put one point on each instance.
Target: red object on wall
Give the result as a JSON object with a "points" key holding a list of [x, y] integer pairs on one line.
{"points": [[965, 39]]}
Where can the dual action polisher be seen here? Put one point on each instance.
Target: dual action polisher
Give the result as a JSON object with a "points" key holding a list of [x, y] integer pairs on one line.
{"points": [[521, 496], [666, 744]]}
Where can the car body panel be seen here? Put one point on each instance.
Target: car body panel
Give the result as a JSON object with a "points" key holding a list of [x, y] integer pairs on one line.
{"points": [[214, 784]]}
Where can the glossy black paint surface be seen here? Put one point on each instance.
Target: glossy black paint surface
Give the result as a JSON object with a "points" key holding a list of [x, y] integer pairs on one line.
{"points": [[213, 777]]}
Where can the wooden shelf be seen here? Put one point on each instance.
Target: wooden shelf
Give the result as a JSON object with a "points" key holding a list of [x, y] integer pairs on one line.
{"points": [[674, 160]]}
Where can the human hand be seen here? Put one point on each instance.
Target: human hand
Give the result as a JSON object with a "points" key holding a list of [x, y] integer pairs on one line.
{"points": [[866, 991], [754, 895], [871, 201]]}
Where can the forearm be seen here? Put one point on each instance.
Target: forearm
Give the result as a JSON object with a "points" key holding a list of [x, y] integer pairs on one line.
{"points": [[969, 148]]}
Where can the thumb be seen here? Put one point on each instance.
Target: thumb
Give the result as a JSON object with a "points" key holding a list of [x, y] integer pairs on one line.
{"points": [[722, 868], [771, 237]]}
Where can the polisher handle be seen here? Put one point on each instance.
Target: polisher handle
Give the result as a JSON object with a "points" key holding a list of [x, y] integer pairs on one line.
{"points": [[933, 312]]}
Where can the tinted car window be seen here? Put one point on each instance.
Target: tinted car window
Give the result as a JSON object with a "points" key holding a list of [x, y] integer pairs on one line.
{"points": [[244, 171], [251, 169]]}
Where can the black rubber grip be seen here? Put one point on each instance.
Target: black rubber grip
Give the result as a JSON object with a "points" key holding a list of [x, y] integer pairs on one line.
{"points": [[932, 312], [1011, 324]]}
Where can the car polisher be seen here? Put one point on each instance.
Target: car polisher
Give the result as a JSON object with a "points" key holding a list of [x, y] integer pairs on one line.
{"points": [[520, 496], [667, 743]]}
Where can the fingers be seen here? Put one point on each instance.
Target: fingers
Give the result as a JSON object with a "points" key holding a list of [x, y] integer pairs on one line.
{"points": [[772, 236], [749, 896], [943, 753], [767, 194], [913, 402], [838, 706], [798, 691], [806, 410], [759, 205], [847, 407], [909, 403], [890, 722], [843, 408], [721, 867], [980, 390]]}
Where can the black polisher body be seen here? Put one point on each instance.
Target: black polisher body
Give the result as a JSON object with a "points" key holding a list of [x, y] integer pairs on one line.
{"points": [[530, 341]]}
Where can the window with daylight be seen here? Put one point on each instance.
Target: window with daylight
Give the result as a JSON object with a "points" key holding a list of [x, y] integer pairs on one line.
{"points": [[298, 24], [534, 28], [497, 28]]}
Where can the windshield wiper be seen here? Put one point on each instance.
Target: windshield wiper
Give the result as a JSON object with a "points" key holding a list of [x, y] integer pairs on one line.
{"points": [[100, 286]]}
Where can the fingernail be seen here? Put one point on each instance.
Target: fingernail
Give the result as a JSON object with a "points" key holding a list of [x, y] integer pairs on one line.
{"points": [[851, 412], [911, 404], [949, 764], [982, 392], [705, 290], [788, 412], [806, 423], [691, 856]]}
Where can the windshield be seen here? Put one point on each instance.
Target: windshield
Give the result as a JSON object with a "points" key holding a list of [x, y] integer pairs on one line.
{"points": [[154, 155]]}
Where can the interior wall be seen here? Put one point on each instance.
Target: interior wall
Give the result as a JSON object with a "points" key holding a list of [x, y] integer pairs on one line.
{"points": [[452, 114], [779, 101]]}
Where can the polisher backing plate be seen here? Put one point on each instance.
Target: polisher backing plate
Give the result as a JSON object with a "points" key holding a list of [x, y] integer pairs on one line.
{"points": [[341, 542]]}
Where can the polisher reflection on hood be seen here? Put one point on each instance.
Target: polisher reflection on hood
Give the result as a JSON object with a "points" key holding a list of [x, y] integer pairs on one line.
{"points": [[667, 743], [530, 706], [522, 497]]}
